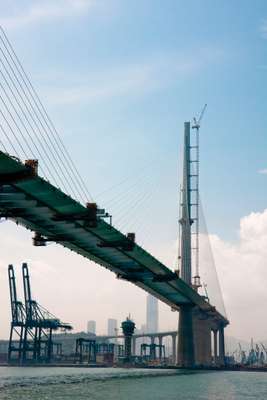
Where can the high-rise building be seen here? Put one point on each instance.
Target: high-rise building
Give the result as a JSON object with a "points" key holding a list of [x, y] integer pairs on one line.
{"points": [[91, 327], [152, 314], [112, 327]]}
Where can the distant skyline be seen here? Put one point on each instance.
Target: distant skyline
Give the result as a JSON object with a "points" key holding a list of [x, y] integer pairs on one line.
{"points": [[119, 78]]}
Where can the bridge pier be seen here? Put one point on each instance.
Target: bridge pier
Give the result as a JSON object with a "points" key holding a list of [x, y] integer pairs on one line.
{"points": [[134, 346], [202, 338], [160, 348], [174, 348], [215, 345], [152, 348], [186, 353], [221, 346]]}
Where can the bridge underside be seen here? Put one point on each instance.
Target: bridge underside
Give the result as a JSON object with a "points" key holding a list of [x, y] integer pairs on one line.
{"points": [[31, 201]]}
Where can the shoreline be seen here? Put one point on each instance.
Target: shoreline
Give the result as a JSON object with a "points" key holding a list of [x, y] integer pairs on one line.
{"points": [[160, 367]]}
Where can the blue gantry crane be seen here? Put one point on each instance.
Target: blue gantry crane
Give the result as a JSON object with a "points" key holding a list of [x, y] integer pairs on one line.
{"points": [[32, 326], [17, 319]]}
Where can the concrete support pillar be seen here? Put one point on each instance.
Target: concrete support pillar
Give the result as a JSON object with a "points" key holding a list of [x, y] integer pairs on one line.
{"points": [[208, 344], [215, 346], [160, 347], [202, 338], [152, 349], [221, 346], [134, 346], [174, 358], [186, 353]]}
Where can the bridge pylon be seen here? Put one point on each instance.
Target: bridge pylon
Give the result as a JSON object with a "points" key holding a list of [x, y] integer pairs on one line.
{"points": [[186, 351], [195, 326]]}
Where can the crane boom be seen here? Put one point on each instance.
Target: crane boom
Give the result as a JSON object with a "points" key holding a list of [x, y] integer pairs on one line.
{"points": [[197, 122]]}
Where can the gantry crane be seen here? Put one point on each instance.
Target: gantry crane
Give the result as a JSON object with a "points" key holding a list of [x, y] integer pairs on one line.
{"points": [[242, 354], [264, 348], [33, 324], [40, 325], [18, 317]]}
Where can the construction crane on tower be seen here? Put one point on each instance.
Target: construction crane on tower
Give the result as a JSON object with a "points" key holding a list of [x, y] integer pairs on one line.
{"points": [[197, 122], [194, 159]]}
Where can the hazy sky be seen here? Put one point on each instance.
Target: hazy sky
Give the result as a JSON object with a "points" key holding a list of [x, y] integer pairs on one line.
{"points": [[119, 78]]}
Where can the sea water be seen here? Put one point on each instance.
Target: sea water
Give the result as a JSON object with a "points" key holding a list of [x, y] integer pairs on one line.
{"points": [[129, 384]]}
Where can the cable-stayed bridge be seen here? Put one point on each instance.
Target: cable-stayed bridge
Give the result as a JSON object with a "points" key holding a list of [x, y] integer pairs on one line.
{"points": [[46, 194]]}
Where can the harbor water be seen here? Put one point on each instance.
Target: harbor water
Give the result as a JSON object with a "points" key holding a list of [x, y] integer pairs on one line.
{"points": [[129, 384]]}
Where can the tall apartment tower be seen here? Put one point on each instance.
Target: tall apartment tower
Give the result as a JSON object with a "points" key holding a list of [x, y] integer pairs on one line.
{"points": [[91, 327], [112, 327], [152, 314]]}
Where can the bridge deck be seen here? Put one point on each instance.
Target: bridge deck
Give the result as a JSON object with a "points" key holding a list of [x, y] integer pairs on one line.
{"points": [[41, 207], [139, 335]]}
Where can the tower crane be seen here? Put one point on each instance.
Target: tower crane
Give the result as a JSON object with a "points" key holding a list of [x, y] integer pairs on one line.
{"points": [[196, 122], [188, 245], [195, 189]]}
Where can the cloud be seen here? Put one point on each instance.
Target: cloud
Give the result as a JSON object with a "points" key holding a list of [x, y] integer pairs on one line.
{"points": [[157, 72], [242, 273], [263, 171], [44, 11]]}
